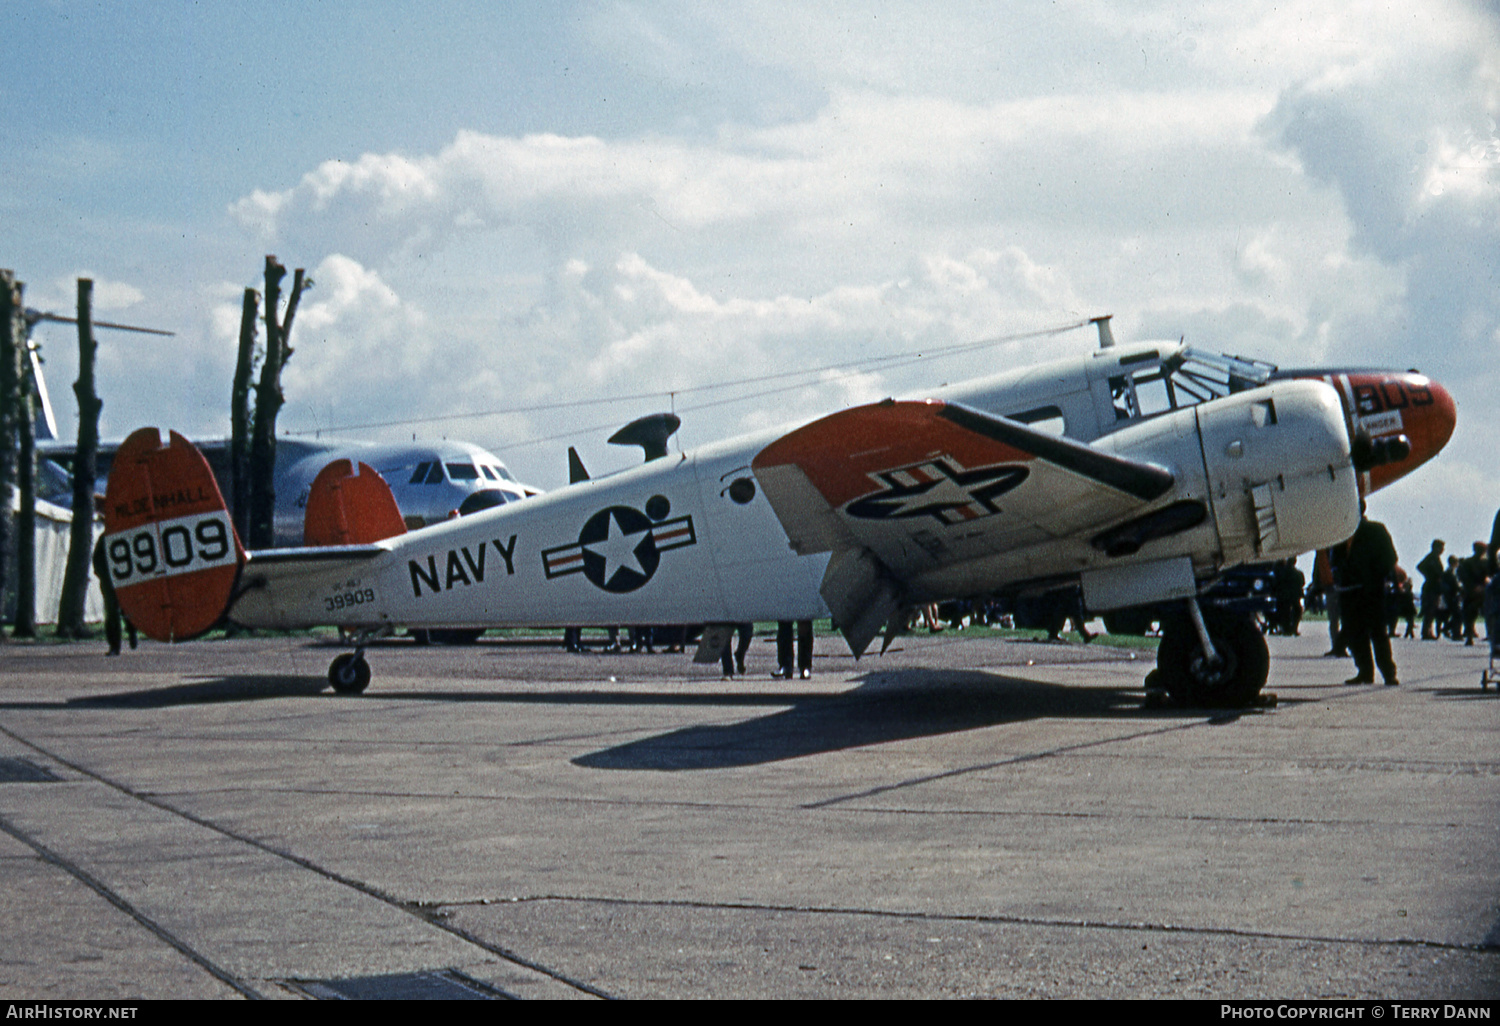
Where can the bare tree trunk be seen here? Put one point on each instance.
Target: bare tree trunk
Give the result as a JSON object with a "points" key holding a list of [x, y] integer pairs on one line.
{"points": [[239, 417], [25, 480], [70, 612], [12, 336], [268, 402]]}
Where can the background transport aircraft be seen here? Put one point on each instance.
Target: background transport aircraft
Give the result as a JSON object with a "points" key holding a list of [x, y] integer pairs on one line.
{"points": [[431, 480], [1138, 474]]}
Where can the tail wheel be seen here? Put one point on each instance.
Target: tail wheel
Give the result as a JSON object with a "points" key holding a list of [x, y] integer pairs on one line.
{"points": [[1232, 679], [349, 673]]}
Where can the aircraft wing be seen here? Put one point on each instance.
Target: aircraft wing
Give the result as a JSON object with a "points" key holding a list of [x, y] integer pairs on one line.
{"points": [[898, 489]]}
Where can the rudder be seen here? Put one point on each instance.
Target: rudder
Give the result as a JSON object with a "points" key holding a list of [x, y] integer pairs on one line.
{"points": [[172, 552], [349, 506]]}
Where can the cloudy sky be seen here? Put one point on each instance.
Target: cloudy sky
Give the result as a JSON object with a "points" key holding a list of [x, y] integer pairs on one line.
{"points": [[540, 221]]}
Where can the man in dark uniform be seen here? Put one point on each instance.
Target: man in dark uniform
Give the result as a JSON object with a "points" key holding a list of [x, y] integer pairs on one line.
{"points": [[1431, 569], [1453, 622], [733, 656], [1473, 575], [1363, 563], [112, 617], [784, 666]]}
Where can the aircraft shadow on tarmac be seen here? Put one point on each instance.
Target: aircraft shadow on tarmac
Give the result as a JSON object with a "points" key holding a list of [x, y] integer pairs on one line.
{"points": [[208, 692], [886, 706]]}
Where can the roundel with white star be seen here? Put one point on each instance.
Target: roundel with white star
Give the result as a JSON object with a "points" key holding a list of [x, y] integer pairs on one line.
{"points": [[619, 549]]}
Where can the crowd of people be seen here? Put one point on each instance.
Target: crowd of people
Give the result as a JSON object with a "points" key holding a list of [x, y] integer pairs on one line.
{"points": [[1366, 593]]}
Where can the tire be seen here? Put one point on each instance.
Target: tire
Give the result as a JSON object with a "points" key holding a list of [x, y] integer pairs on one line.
{"points": [[1235, 683], [349, 673]]}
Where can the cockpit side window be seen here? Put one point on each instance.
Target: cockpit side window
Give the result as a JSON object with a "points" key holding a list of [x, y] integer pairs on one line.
{"points": [[462, 472], [419, 476], [1152, 394]]}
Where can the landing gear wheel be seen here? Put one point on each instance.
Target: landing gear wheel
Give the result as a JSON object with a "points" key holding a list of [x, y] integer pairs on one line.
{"points": [[1231, 680], [349, 673]]}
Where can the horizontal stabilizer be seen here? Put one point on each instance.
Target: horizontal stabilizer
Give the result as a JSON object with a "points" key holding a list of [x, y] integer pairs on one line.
{"points": [[275, 582]]}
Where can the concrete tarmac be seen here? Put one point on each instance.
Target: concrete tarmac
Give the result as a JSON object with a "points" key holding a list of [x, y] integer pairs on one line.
{"points": [[964, 816]]}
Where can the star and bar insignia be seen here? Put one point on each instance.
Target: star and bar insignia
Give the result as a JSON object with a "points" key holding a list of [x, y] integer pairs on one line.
{"points": [[941, 488], [619, 548]]}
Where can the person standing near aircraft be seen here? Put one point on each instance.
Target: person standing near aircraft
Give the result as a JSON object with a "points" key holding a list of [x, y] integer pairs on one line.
{"points": [[783, 649], [804, 648], [1495, 545], [1473, 575], [1431, 569], [733, 657], [1325, 580], [112, 618], [1453, 622], [1363, 564]]}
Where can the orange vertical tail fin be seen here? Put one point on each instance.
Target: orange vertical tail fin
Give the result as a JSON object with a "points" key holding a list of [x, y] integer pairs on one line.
{"points": [[349, 506], [172, 552]]}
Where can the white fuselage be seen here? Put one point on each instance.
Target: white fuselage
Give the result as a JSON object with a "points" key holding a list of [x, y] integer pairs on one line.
{"points": [[691, 538]]}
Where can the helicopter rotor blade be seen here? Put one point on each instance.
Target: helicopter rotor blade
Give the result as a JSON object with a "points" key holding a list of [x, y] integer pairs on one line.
{"points": [[34, 316]]}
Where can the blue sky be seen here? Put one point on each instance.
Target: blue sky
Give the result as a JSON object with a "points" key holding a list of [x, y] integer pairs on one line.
{"points": [[506, 207]]}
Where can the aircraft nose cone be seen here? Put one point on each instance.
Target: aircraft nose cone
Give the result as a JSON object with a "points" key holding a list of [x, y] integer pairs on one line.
{"points": [[1441, 419], [1427, 415]]}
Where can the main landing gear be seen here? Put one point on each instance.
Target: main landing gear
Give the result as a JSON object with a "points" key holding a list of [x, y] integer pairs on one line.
{"points": [[1218, 661]]}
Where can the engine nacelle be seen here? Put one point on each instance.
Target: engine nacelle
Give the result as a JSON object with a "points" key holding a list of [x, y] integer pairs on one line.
{"points": [[1281, 478]]}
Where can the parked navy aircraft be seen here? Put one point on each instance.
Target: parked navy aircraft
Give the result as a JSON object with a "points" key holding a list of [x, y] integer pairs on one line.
{"points": [[1139, 473]]}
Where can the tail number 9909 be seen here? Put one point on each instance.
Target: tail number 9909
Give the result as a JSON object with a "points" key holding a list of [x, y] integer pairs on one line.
{"points": [[170, 547]]}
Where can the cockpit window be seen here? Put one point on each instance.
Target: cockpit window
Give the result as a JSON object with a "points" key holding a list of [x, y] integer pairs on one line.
{"points": [[1183, 379], [430, 472], [463, 472], [488, 471], [1192, 377], [1142, 394]]}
